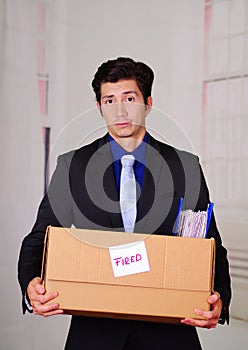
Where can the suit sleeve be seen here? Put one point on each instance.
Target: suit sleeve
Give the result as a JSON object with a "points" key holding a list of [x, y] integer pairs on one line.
{"points": [[222, 282], [55, 210]]}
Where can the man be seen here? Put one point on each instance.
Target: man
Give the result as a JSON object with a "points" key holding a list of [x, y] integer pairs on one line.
{"points": [[85, 192]]}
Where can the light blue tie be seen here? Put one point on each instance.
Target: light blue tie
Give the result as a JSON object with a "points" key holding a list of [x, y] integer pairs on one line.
{"points": [[128, 193]]}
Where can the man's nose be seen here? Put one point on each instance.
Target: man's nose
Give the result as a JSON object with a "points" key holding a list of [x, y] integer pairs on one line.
{"points": [[121, 110]]}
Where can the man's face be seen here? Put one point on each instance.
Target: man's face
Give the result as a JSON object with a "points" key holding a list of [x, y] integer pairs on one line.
{"points": [[123, 108]]}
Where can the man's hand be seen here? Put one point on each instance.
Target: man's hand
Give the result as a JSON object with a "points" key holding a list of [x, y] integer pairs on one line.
{"points": [[212, 317], [37, 298]]}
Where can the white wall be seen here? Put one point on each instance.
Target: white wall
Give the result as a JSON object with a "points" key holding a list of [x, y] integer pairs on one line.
{"points": [[166, 34], [160, 34]]}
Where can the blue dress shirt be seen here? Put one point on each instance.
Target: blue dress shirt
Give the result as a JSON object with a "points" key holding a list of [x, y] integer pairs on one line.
{"points": [[140, 160]]}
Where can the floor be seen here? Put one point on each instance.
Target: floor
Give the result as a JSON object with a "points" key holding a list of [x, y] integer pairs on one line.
{"points": [[232, 337]]}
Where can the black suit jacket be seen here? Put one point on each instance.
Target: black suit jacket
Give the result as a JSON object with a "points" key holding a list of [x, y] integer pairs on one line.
{"points": [[83, 193]]}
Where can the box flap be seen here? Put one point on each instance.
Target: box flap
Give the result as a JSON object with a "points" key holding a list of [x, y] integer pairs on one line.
{"points": [[188, 264], [44, 257]]}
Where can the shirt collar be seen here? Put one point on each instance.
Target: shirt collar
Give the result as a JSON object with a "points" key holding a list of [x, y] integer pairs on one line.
{"points": [[139, 153]]}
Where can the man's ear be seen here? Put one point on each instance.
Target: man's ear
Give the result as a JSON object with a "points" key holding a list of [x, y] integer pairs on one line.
{"points": [[99, 107], [148, 105]]}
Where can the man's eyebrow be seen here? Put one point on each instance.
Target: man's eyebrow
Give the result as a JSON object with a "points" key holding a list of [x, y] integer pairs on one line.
{"points": [[123, 93], [129, 92], [108, 96]]}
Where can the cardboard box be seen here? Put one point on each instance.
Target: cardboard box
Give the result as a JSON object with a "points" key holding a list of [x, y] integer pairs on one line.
{"points": [[77, 264]]}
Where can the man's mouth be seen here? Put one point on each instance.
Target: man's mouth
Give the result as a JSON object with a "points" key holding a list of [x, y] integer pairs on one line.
{"points": [[122, 124]]}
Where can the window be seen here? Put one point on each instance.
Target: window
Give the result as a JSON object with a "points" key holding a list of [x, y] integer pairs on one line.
{"points": [[225, 101]]}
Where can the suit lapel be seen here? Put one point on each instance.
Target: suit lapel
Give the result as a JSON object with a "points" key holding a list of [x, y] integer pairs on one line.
{"points": [[150, 184], [105, 173]]}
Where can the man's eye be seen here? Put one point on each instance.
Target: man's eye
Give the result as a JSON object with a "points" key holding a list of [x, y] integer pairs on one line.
{"points": [[130, 99], [109, 102]]}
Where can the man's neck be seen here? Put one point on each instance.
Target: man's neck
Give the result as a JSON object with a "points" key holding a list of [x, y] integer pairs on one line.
{"points": [[129, 144]]}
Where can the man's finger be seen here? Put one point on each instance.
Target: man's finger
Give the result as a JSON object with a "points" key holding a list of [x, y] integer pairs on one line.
{"points": [[39, 288], [206, 314], [46, 310], [45, 298], [213, 298], [200, 323]]}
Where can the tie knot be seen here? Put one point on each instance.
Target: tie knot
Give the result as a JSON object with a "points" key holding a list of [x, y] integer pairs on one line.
{"points": [[127, 160]]}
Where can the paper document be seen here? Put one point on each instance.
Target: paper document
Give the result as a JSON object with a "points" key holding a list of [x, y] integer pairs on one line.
{"points": [[193, 224]]}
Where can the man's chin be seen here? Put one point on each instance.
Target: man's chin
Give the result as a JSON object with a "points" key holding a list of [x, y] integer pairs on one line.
{"points": [[122, 131], [127, 133]]}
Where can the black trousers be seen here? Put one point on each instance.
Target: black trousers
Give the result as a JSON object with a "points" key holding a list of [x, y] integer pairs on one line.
{"points": [[133, 341], [88, 333]]}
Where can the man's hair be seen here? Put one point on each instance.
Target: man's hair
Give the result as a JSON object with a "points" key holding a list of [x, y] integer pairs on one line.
{"points": [[123, 68]]}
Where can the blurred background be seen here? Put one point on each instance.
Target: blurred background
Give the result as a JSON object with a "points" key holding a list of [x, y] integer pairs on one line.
{"points": [[49, 52]]}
